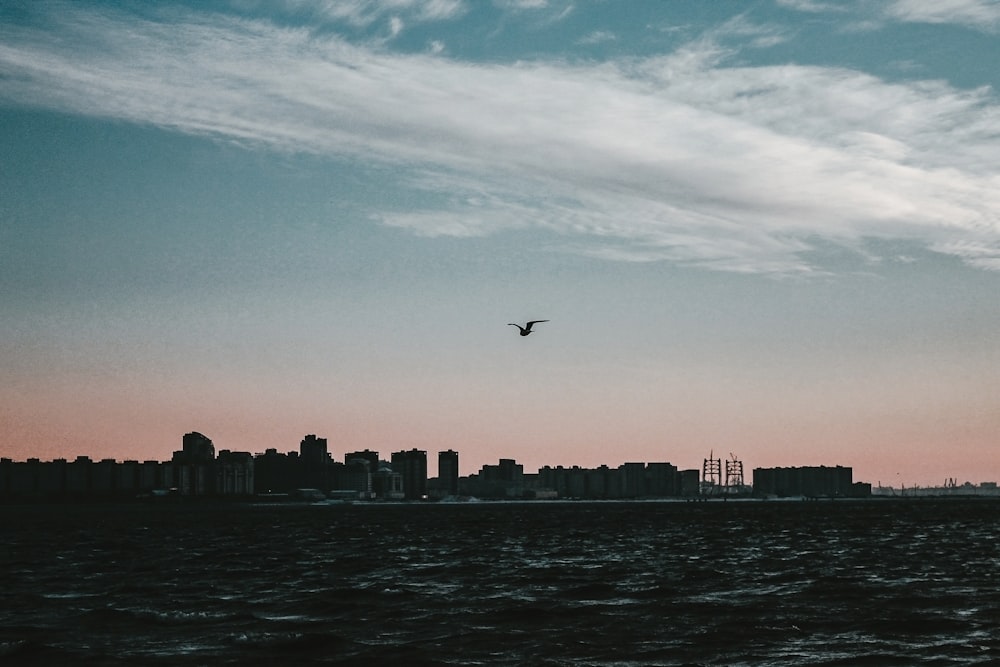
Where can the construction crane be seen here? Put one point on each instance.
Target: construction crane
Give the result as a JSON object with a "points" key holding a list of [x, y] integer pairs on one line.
{"points": [[734, 473]]}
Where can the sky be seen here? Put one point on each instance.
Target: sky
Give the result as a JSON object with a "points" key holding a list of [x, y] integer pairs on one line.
{"points": [[767, 230]]}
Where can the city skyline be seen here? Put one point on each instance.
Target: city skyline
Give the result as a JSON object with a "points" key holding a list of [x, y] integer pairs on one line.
{"points": [[713, 470], [313, 473], [771, 229]]}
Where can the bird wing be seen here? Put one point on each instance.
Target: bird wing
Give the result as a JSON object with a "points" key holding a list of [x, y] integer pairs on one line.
{"points": [[535, 322]]}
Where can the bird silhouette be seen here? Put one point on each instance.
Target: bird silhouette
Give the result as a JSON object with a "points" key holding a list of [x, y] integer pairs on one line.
{"points": [[526, 329]]}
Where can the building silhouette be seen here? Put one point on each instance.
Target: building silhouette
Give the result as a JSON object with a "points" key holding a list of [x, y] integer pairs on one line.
{"points": [[367, 455], [311, 473], [234, 474], [190, 473], [194, 470], [277, 472], [504, 480], [387, 484], [448, 472], [315, 461], [412, 465], [807, 481], [313, 451], [629, 480], [358, 476], [196, 448]]}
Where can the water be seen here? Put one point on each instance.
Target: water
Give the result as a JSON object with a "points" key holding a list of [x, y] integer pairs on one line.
{"points": [[877, 582]]}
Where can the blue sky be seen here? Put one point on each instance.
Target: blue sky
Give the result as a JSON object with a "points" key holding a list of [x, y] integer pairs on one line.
{"points": [[768, 228]]}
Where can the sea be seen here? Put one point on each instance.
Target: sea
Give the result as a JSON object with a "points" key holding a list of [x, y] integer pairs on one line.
{"points": [[904, 582]]}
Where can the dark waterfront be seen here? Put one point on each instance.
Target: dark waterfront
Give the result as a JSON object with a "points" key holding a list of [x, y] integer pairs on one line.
{"points": [[876, 582]]}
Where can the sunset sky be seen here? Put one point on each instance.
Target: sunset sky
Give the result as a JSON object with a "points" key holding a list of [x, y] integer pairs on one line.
{"points": [[763, 228]]}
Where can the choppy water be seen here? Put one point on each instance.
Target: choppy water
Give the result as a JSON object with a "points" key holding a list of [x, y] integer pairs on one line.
{"points": [[738, 583]]}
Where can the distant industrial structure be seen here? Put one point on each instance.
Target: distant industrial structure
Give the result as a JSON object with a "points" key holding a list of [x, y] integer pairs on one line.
{"points": [[312, 473], [715, 484], [950, 489]]}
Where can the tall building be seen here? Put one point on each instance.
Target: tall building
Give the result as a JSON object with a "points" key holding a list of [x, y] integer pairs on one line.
{"points": [[412, 465], [194, 463], [234, 474], [662, 480], [504, 480], [276, 472], [313, 451], [631, 481], [386, 484], [315, 462], [357, 476], [448, 471], [196, 448], [689, 482]]}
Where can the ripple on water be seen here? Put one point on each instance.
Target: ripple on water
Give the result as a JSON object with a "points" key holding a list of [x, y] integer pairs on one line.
{"points": [[642, 583]]}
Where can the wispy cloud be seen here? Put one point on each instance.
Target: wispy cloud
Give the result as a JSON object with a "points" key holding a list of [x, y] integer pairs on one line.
{"points": [[677, 158], [395, 26], [522, 4], [810, 5], [597, 37], [363, 13], [981, 15], [542, 12], [977, 14]]}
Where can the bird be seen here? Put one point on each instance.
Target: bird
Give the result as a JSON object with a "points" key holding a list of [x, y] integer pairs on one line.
{"points": [[526, 329]]}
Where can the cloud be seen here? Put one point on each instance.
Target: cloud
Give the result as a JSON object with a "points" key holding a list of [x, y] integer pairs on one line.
{"points": [[815, 6], [722, 42], [542, 12], [981, 15], [976, 253], [678, 158], [362, 13], [395, 26], [597, 37], [521, 5]]}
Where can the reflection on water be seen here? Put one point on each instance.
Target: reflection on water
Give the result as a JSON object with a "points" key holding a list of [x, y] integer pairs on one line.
{"points": [[739, 583]]}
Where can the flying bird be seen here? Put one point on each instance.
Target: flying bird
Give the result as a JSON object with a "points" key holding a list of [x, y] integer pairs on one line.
{"points": [[526, 329]]}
